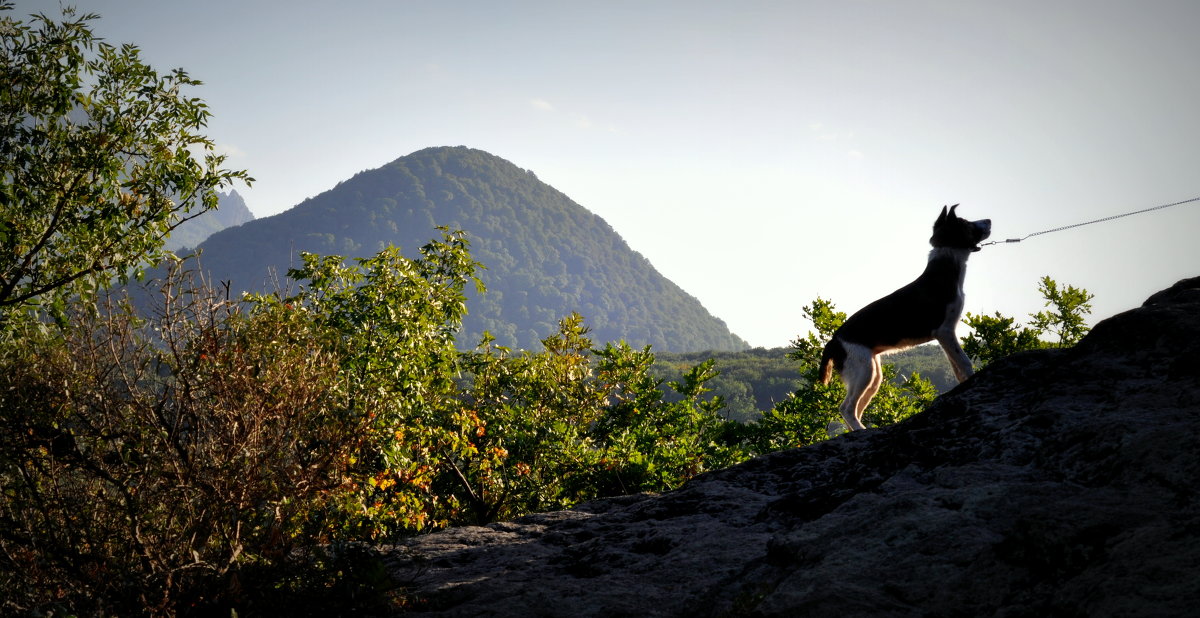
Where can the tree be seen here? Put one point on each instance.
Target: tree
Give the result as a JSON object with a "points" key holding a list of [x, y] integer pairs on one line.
{"points": [[549, 429], [1066, 319], [391, 322], [152, 465], [996, 336], [100, 158]]}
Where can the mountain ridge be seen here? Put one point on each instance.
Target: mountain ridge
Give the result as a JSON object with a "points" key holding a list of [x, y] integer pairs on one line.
{"points": [[545, 255]]}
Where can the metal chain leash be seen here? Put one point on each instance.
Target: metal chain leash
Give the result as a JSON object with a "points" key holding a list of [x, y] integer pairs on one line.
{"points": [[1067, 227]]}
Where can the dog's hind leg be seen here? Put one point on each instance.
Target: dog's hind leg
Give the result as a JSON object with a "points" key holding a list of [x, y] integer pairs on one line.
{"points": [[858, 374], [872, 388]]}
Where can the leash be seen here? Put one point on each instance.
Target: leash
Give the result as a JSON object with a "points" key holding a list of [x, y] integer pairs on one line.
{"points": [[1075, 225]]}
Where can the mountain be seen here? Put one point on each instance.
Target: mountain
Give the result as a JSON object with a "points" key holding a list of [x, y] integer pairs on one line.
{"points": [[231, 211], [1052, 483], [546, 256]]}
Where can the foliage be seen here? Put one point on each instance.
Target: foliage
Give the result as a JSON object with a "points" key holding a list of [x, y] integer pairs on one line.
{"points": [[144, 461], [149, 464], [100, 157], [748, 381], [390, 323], [553, 428], [1068, 308], [515, 433], [153, 465], [653, 443], [531, 413], [994, 337]]}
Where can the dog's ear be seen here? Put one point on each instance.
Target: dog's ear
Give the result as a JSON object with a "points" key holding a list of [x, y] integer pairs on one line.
{"points": [[941, 217], [952, 210]]}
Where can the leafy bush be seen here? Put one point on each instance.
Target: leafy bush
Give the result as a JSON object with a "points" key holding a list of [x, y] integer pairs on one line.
{"points": [[143, 461], [389, 322], [146, 464], [996, 336], [547, 430]]}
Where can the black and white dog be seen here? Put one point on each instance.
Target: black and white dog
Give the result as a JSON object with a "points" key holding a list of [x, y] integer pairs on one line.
{"points": [[926, 309]]}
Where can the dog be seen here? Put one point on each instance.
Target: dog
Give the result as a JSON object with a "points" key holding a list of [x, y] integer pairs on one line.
{"points": [[929, 308]]}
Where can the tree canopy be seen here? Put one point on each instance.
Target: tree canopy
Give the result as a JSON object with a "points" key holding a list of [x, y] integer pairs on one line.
{"points": [[996, 336], [101, 157]]}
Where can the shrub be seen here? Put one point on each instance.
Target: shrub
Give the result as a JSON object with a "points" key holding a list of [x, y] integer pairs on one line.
{"points": [[153, 465], [144, 460]]}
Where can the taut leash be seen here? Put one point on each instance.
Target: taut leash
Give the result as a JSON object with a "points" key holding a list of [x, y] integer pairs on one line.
{"points": [[1067, 227]]}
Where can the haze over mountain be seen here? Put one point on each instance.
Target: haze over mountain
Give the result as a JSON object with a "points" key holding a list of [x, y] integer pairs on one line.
{"points": [[231, 211], [545, 255]]}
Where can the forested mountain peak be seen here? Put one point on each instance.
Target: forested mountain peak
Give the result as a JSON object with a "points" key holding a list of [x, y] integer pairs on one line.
{"points": [[545, 255]]}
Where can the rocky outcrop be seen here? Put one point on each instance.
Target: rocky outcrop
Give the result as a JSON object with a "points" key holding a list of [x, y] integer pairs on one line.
{"points": [[1053, 483]]}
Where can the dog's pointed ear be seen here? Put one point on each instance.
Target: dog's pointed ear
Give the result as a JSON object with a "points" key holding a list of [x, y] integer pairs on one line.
{"points": [[952, 210], [941, 217]]}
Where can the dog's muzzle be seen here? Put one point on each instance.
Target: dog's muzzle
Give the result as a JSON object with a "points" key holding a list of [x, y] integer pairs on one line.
{"points": [[984, 228]]}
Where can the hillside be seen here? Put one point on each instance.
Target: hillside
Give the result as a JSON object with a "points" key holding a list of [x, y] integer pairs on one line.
{"points": [[545, 255], [1052, 483], [231, 211]]}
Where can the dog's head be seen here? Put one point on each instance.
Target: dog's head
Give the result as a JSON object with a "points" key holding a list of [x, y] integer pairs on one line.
{"points": [[954, 232]]}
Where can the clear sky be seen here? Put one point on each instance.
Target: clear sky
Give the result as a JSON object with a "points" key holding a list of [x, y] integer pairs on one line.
{"points": [[759, 154]]}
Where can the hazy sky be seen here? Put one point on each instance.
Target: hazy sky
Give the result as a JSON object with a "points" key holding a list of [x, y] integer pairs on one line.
{"points": [[760, 154]]}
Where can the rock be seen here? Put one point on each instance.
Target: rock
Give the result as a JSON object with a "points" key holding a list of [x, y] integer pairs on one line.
{"points": [[1057, 482]]}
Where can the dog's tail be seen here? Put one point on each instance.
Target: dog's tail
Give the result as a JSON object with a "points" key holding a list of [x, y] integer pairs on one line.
{"points": [[832, 359]]}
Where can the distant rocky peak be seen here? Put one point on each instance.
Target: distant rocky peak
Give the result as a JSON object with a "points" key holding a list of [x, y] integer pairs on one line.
{"points": [[231, 211]]}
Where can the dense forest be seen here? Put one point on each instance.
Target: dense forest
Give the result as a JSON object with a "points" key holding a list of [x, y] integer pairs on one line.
{"points": [[544, 255]]}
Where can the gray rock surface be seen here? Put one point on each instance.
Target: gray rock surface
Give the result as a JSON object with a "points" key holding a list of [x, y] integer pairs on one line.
{"points": [[1053, 483]]}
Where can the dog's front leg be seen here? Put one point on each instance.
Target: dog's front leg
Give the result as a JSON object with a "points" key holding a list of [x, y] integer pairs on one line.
{"points": [[958, 358]]}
